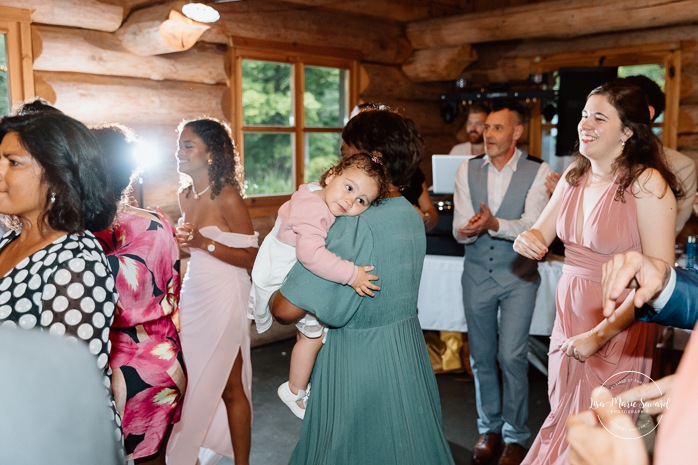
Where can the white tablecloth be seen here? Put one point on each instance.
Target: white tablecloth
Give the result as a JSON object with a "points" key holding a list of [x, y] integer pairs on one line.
{"points": [[440, 301]]}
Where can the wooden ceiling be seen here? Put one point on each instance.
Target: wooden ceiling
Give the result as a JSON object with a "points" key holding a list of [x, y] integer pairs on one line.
{"points": [[401, 11], [432, 40]]}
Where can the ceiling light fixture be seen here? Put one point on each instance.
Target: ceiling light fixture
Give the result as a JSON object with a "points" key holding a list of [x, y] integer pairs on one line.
{"points": [[200, 12]]}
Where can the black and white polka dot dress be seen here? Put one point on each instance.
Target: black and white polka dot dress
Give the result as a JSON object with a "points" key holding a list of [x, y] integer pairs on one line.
{"points": [[67, 289]]}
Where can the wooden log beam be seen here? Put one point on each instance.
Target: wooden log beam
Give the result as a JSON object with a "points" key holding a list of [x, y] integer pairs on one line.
{"points": [[86, 14], [158, 30], [514, 61], [689, 84], [688, 119], [92, 52], [379, 82], [272, 20], [424, 114], [103, 99], [129, 5], [558, 19], [394, 10], [439, 64], [688, 142]]}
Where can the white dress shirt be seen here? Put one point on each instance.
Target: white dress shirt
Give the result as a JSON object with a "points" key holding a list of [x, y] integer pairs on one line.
{"points": [[497, 185], [466, 148], [664, 296]]}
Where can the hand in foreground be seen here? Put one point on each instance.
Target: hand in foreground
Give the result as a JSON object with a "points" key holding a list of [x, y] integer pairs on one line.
{"points": [[632, 270], [531, 244], [362, 284], [653, 395], [551, 181], [582, 346], [592, 444]]}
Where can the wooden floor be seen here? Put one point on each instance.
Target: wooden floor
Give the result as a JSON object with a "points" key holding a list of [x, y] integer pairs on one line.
{"points": [[275, 430]]}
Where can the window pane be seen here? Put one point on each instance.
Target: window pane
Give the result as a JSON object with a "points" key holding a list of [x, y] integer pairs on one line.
{"points": [[267, 93], [321, 152], [4, 78], [268, 163], [325, 97]]}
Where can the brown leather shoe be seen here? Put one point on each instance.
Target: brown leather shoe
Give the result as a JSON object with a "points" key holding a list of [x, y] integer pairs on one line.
{"points": [[513, 454], [486, 448]]}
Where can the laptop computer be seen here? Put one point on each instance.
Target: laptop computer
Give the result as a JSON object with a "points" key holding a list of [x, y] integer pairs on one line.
{"points": [[443, 172]]}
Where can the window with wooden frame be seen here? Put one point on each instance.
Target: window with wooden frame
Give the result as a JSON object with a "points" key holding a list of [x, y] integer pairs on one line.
{"points": [[629, 61], [16, 75], [289, 108]]}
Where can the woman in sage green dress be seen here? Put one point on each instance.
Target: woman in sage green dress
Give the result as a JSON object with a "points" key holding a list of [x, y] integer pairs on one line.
{"points": [[373, 397]]}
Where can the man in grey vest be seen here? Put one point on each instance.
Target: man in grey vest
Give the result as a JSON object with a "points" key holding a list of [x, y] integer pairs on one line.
{"points": [[497, 196]]}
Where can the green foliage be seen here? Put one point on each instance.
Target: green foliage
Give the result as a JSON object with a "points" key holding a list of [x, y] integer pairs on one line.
{"points": [[268, 163], [324, 96], [267, 99], [321, 153], [652, 71], [266, 93], [4, 80]]}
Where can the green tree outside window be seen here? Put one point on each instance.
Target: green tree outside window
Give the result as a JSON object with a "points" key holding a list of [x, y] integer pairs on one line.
{"points": [[269, 123], [4, 79]]}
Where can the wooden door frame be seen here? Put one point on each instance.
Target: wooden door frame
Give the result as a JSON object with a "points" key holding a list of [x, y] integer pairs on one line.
{"points": [[667, 54]]}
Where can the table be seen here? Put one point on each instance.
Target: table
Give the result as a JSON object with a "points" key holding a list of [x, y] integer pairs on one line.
{"points": [[440, 302]]}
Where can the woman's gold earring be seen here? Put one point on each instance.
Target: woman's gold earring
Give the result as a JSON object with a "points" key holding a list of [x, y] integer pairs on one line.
{"points": [[210, 162]]}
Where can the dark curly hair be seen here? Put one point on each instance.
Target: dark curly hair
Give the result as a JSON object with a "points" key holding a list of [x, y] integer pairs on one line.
{"points": [[225, 167], [642, 151], [72, 169], [372, 165], [117, 143], [393, 136]]}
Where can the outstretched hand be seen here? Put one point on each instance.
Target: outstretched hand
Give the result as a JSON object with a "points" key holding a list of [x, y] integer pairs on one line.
{"points": [[531, 244], [362, 284], [632, 270], [592, 444], [654, 395]]}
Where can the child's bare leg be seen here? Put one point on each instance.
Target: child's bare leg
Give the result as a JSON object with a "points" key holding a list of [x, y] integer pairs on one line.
{"points": [[302, 362]]}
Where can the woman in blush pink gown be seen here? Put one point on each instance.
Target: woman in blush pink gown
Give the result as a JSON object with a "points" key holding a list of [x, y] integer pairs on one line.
{"points": [[615, 197], [217, 231], [148, 377]]}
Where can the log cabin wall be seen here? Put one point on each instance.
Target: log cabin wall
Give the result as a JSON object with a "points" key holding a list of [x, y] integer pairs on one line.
{"points": [[87, 63], [87, 70]]}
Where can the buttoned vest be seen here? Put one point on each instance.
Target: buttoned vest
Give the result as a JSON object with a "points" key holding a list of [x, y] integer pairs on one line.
{"points": [[492, 257]]}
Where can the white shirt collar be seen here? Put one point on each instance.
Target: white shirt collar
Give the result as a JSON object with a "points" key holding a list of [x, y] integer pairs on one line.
{"points": [[512, 163]]}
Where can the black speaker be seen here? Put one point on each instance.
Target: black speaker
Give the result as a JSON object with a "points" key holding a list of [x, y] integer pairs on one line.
{"points": [[448, 110], [575, 85]]}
